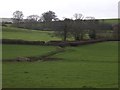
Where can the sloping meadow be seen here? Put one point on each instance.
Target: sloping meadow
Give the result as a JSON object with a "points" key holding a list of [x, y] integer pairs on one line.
{"points": [[13, 51], [26, 34], [88, 66]]}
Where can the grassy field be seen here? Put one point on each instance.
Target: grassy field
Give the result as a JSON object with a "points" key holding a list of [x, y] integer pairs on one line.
{"points": [[14, 51], [111, 21], [84, 66], [25, 34], [106, 52]]}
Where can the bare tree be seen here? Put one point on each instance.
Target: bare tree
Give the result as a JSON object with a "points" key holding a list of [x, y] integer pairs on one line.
{"points": [[61, 28], [33, 18], [78, 16], [77, 26]]}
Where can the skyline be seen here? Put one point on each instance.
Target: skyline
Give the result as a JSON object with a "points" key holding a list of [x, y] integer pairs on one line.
{"points": [[100, 9]]}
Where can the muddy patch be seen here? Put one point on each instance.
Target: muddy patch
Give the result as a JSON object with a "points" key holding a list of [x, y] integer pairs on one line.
{"points": [[51, 59]]}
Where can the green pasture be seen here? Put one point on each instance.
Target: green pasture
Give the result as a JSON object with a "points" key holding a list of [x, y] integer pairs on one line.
{"points": [[106, 52], [14, 51], [110, 21], [26, 34], [92, 66]]}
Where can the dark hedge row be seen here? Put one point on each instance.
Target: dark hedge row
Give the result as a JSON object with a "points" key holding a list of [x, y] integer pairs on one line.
{"points": [[85, 42], [18, 41], [76, 43], [53, 43]]}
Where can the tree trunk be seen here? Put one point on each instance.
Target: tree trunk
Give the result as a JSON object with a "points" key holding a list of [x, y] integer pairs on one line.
{"points": [[65, 35]]}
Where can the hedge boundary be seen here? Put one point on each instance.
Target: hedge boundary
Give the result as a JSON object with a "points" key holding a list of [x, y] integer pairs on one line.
{"points": [[54, 43], [20, 41]]}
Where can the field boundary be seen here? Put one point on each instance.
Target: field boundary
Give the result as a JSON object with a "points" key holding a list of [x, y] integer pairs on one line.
{"points": [[53, 43]]}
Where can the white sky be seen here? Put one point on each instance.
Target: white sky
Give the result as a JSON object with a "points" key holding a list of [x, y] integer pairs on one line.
{"points": [[62, 8]]}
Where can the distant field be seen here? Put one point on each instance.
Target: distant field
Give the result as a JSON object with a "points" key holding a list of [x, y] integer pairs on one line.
{"points": [[111, 21], [14, 51], [84, 66], [25, 34]]}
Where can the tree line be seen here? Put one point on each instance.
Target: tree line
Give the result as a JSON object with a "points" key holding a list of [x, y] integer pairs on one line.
{"points": [[78, 28], [45, 17]]}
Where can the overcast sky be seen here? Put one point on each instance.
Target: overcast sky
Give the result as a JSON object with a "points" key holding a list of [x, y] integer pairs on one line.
{"points": [[62, 8]]}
